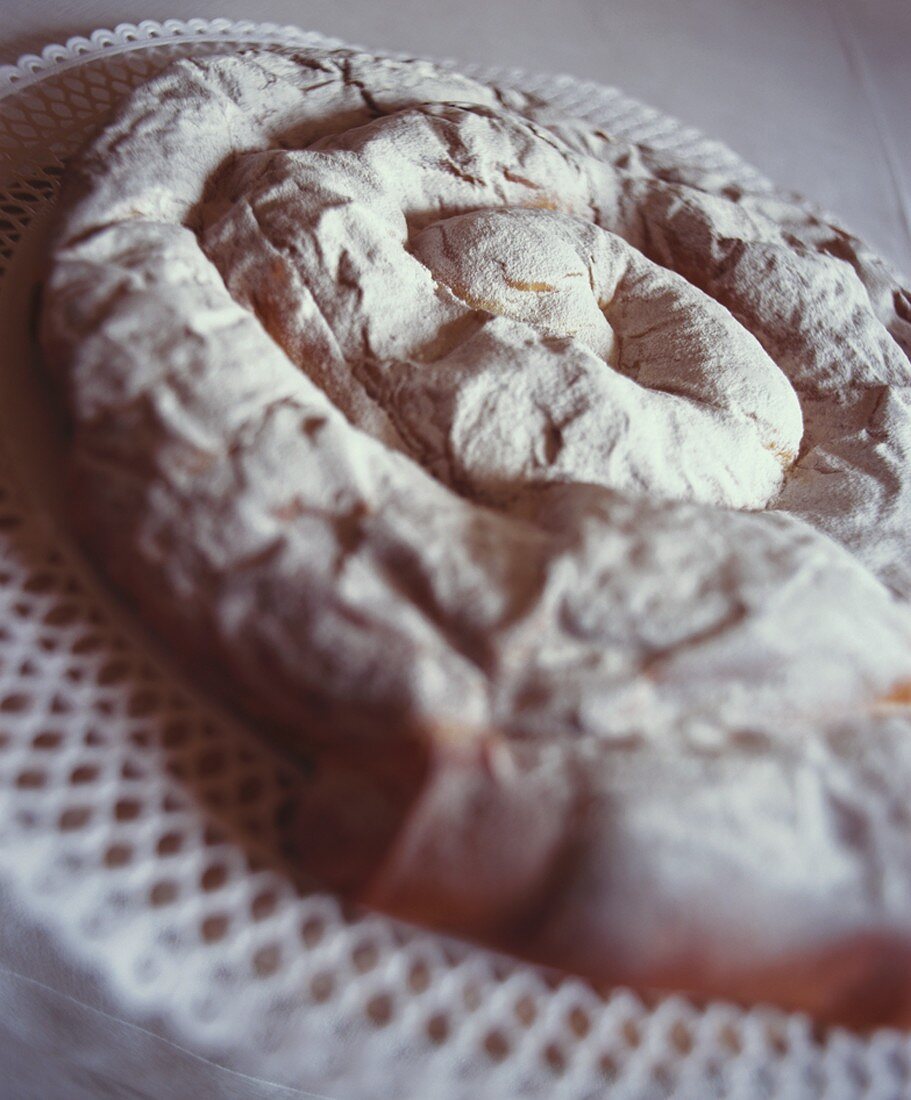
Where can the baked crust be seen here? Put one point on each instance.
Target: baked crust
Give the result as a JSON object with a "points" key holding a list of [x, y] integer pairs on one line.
{"points": [[558, 488]]}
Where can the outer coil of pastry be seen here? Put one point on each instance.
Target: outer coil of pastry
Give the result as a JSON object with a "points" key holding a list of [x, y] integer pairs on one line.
{"points": [[558, 490]]}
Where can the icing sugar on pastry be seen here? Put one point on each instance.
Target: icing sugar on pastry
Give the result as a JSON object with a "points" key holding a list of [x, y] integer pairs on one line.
{"points": [[652, 364], [436, 427]]}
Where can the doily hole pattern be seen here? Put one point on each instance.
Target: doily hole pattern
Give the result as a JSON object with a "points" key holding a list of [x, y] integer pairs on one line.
{"points": [[151, 832]]}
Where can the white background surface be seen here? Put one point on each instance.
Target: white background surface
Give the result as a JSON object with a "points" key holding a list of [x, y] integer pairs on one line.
{"points": [[815, 93]]}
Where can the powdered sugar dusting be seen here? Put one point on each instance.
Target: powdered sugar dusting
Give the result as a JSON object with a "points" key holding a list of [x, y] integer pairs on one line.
{"points": [[411, 409]]}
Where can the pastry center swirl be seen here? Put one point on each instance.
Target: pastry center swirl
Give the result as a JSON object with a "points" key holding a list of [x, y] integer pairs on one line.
{"points": [[451, 311]]}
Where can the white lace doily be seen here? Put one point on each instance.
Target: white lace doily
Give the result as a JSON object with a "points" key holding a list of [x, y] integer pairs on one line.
{"points": [[155, 941]]}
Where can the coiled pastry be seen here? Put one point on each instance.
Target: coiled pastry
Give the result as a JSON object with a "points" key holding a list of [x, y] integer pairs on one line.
{"points": [[556, 492]]}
